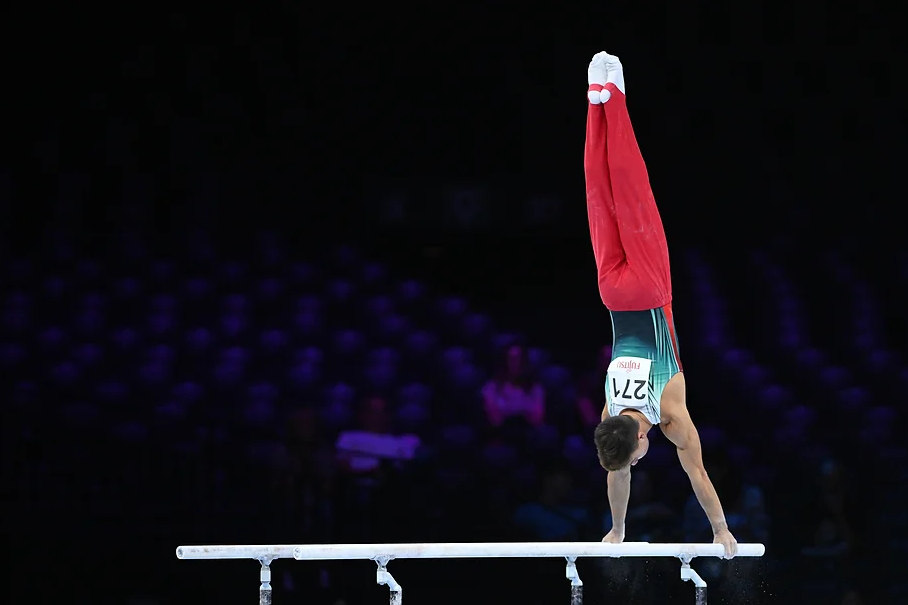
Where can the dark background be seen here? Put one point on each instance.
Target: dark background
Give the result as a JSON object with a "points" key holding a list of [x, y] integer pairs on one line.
{"points": [[446, 143]]}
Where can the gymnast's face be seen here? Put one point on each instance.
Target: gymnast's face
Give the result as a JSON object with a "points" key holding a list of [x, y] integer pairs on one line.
{"points": [[642, 448]]}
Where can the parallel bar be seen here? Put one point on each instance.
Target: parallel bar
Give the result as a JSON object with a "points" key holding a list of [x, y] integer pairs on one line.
{"points": [[325, 552]]}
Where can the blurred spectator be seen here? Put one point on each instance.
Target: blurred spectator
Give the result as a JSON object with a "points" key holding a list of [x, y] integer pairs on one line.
{"points": [[553, 517], [514, 392]]}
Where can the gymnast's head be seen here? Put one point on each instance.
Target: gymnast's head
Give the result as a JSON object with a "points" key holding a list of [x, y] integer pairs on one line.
{"points": [[620, 442]]}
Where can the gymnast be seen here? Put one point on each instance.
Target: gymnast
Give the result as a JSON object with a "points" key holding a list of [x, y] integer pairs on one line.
{"points": [[644, 383]]}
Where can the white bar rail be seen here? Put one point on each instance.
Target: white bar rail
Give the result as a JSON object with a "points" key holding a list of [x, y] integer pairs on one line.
{"points": [[384, 553], [462, 550]]}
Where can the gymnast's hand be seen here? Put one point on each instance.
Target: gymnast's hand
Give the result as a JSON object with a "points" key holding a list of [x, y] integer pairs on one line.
{"points": [[615, 537], [724, 537]]}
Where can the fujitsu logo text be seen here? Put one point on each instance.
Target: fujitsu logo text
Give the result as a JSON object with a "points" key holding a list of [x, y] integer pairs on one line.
{"points": [[629, 365]]}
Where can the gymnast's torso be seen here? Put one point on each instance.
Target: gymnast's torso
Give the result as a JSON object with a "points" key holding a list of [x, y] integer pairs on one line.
{"points": [[644, 358]]}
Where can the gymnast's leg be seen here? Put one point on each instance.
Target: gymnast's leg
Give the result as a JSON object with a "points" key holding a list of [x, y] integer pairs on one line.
{"points": [[646, 281], [607, 248]]}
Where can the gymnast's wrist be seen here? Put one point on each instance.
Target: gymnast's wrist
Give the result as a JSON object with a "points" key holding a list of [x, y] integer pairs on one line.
{"points": [[720, 527]]}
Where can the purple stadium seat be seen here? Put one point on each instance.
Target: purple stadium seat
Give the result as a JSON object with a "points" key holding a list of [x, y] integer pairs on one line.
{"points": [[811, 358], [345, 256], [131, 432], [309, 303], [373, 273], [337, 415], [273, 341], [270, 288], [161, 353], [11, 354], [450, 307], [188, 393], [544, 439], [235, 303], [197, 287], [458, 437], [660, 454], [776, 398], [500, 342], [883, 415], [415, 393], [52, 338], [259, 413], [340, 290], [233, 325], [384, 355], [499, 457], [737, 358], [127, 288], [855, 398], [712, 436], [525, 478], [164, 303], [161, 272], [537, 357], [577, 451], [80, 415], [801, 416], [380, 305], [455, 356], [171, 411], [233, 272], [228, 374], [340, 393], [475, 325], [380, 375], [302, 273], [262, 452], [20, 269], [553, 377], [238, 355], [66, 372], [198, 339], [113, 391], [24, 393], [304, 375], [393, 326], [154, 373], [836, 377], [161, 323], [307, 323], [421, 343], [755, 376], [411, 417], [92, 300], [264, 392], [348, 342], [467, 377], [312, 355], [16, 320], [54, 286], [410, 291]]}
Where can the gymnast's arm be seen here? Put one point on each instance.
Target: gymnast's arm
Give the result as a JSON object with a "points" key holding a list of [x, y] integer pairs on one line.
{"points": [[619, 491], [681, 431]]}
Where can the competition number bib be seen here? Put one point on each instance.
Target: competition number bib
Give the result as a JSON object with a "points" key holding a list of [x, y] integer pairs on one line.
{"points": [[628, 380]]}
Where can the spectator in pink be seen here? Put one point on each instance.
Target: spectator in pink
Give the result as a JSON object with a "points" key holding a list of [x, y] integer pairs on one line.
{"points": [[513, 392]]}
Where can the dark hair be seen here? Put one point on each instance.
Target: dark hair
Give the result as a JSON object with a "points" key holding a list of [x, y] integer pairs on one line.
{"points": [[616, 441]]}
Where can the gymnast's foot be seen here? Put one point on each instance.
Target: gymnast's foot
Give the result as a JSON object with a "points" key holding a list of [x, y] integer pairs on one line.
{"points": [[597, 75], [604, 69]]}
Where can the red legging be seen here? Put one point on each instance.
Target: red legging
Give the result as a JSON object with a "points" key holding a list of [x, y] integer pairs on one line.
{"points": [[628, 238]]}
